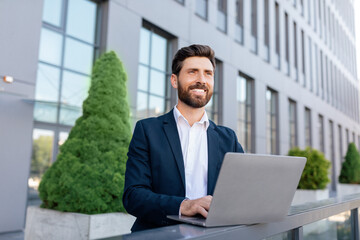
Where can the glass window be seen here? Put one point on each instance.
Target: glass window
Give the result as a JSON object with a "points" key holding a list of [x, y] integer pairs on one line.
{"points": [[308, 138], [74, 91], [310, 65], [292, 124], [266, 30], [303, 57], [202, 8], [239, 26], [214, 105], [287, 49], [254, 26], [54, 84], [78, 56], [45, 112], [321, 134], [81, 19], [50, 47], [47, 83], [272, 122], [153, 97], [295, 53], [332, 155], [334, 227], [41, 158], [244, 111], [340, 144], [222, 15], [63, 136], [75, 88], [52, 12], [277, 35]]}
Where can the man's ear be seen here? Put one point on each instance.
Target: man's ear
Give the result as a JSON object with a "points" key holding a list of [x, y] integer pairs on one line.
{"points": [[174, 81]]}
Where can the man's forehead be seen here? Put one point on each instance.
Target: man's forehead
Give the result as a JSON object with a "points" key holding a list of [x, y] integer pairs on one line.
{"points": [[198, 62]]}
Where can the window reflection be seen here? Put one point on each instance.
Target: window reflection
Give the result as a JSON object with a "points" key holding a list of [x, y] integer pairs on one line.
{"points": [[157, 83], [144, 46], [50, 47], [158, 52], [74, 88], [201, 8], [143, 78], [52, 12], [78, 56], [156, 106], [47, 83], [153, 82], [69, 114], [41, 157], [45, 112], [244, 111], [81, 20], [334, 227]]}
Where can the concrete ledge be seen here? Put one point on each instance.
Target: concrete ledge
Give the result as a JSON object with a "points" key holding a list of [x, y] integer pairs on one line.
{"points": [[50, 224], [347, 189], [305, 196]]}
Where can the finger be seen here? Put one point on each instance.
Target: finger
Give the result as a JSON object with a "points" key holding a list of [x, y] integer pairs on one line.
{"points": [[203, 212]]}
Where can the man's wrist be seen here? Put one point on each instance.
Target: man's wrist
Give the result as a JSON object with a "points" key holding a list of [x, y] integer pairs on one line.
{"points": [[181, 204]]}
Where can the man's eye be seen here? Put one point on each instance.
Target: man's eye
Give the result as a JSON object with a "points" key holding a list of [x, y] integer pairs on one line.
{"points": [[209, 73]]}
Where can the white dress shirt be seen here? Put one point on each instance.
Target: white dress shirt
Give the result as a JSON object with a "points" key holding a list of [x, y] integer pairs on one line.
{"points": [[194, 148]]}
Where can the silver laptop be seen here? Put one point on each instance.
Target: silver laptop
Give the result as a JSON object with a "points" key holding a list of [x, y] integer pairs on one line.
{"points": [[250, 189]]}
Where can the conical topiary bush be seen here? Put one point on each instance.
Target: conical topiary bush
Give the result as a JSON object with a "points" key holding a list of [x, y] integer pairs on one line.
{"points": [[350, 170], [88, 176]]}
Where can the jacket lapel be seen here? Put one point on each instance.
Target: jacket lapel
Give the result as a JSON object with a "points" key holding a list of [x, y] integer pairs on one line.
{"points": [[213, 157], [172, 135]]}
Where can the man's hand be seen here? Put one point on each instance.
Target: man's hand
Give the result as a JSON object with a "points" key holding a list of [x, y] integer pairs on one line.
{"points": [[196, 206]]}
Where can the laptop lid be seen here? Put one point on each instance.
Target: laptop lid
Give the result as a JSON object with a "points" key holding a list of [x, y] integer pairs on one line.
{"points": [[252, 188]]}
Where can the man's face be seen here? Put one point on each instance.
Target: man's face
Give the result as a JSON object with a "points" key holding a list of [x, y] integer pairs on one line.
{"points": [[195, 82]]}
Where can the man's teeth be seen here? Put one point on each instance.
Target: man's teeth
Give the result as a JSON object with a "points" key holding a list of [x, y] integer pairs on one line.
{"points": [[199, 90]]}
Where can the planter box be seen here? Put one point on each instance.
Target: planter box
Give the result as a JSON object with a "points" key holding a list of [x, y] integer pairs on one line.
{"points": [[347, 189], [50, 224], [304, 196]]}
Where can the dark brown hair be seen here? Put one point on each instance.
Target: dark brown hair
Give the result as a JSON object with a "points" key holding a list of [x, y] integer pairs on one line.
{"points": [[194, 50]]}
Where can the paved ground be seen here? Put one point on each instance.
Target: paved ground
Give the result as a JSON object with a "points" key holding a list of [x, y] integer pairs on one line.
{"points": [[12, 236]]}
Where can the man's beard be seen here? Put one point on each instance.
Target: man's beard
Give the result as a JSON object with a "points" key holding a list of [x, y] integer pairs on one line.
{"points": [[194, 101]]}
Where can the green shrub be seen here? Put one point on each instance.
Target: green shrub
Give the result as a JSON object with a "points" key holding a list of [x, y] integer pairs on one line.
{"points": [[88, 176], [350, 170], [315, 174]]}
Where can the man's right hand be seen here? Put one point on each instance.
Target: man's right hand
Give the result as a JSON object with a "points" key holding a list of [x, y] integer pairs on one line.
{"points": [[196, 206]]}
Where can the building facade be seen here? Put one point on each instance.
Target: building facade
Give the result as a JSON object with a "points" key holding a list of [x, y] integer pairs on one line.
{"points": [[286, 75]]}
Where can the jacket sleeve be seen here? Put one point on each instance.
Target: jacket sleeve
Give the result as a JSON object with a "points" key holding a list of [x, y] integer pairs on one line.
{"points": [[139, 198]]}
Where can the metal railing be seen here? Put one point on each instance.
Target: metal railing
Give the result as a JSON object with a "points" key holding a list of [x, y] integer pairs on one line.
{"points": [[333, 218]]}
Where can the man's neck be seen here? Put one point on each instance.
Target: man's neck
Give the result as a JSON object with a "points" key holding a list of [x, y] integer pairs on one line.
{"points": [[192, 115]]}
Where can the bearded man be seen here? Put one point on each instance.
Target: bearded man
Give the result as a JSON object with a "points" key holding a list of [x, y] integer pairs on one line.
{"points": [[174, 160]]}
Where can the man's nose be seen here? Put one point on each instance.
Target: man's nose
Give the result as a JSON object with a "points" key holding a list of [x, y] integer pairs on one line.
{"points": [[201, 78]]}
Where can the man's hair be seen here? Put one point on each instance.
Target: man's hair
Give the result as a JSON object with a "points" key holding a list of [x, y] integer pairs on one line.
{"points": [[194, 50]]}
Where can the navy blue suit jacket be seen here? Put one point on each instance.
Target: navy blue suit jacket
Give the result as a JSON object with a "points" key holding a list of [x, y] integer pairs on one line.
{"points": [[155, 174]]}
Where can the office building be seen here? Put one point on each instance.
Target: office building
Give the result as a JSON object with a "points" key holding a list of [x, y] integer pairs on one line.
{"points": [[286, 75]]}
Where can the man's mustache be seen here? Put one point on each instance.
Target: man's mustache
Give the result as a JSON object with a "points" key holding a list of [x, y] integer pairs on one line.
{"points": [[198, 86]]}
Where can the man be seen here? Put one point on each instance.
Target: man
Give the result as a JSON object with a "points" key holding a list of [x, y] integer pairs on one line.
{"points": [[174, 160]]}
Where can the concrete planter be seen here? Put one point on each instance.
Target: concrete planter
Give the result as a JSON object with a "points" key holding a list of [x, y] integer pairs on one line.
{"points": [[50, 224], [347, 189], [304, 196]]}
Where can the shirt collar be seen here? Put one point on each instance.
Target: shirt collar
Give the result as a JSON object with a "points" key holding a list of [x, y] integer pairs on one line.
{"points": [[204, 119]]}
